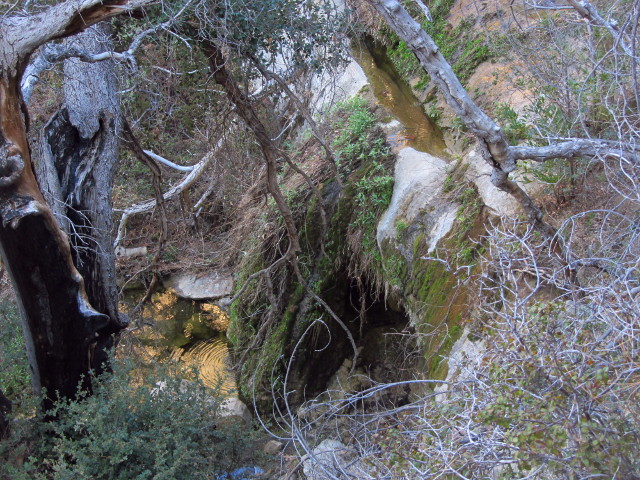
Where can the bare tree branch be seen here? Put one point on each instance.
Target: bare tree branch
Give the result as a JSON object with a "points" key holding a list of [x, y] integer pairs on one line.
{"points": [[186, 182], [54, 53]]}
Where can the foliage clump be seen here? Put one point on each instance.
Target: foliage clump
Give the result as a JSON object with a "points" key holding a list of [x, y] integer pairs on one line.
{"points": [[15, 378], [134, 426]]}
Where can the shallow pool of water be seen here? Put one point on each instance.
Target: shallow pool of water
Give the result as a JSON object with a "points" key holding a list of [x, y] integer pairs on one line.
{"points": [[189, 331]]}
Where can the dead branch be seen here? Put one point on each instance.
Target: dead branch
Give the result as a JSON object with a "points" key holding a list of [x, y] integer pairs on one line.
{"points": [[149, 205], [54, 53], [132, 142]]}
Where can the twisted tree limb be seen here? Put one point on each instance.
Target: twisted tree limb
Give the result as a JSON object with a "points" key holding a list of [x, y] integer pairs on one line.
{"points": [[271, 155], [54, 53]]}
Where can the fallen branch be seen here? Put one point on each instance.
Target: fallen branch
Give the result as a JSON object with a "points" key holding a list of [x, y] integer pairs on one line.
{"points": [[149, 205], [168, 163]]}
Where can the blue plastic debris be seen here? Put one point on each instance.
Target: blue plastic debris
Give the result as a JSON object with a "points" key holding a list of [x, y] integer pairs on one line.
{"points": [[244, 473]]}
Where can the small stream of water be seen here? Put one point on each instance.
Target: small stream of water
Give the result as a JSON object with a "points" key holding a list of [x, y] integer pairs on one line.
{"points": [[395, 95]]}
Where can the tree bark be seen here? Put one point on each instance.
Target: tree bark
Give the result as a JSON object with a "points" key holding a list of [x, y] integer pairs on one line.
{"points": [[59, 323], [78, 152]]}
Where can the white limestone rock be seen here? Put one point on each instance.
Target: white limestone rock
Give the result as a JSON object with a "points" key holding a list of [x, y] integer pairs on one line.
{"points": [[333, 459], [126, 253], [327, 90], [464, 358], [234, 407], [418, 199], [208, 286], [479, 172]]}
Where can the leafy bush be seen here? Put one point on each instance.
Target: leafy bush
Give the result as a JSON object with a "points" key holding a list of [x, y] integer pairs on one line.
{"points": [[355, 123], [157, 427], [513, 127]]}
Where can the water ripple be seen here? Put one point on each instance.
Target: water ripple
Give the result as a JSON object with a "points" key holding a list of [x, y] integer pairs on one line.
{"points": [[211, 357]]}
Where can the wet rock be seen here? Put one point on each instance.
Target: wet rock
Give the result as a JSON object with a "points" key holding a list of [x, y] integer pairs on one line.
{"points": [[208, 286]]}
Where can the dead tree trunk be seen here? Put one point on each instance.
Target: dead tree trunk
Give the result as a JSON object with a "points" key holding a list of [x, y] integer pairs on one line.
{"points": [[77, 156], [59, 323]]}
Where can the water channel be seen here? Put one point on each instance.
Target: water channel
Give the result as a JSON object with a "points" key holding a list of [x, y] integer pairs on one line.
{"points": [[395, 95], [194, 332]]}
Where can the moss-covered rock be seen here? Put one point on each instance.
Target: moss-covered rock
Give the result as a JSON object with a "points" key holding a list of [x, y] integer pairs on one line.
{"points": [[285, 329]]}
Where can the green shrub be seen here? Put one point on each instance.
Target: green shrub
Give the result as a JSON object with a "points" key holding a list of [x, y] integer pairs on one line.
{"points": [[354, 143], [513, 127], [157, 427]]}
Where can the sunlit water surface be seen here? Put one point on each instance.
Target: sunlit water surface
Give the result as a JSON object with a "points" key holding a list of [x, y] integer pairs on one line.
{"points": [[395, 95], [188, 331]]}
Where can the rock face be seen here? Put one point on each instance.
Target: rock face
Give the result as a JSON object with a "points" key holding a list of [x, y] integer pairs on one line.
{"points": [[479, 172], [346, 86], [210, 286], [417, 198], [463, 359]]}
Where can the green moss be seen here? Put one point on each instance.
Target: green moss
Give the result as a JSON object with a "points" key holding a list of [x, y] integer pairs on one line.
{"points": [[470, 206], [401, 226], [435, 366], [241, 329], [395, 266], [258, 368], [349, 245]]}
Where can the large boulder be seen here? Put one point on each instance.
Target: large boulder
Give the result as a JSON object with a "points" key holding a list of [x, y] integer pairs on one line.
{"points": [[207, 286], [417, 198], [234, 407]]}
